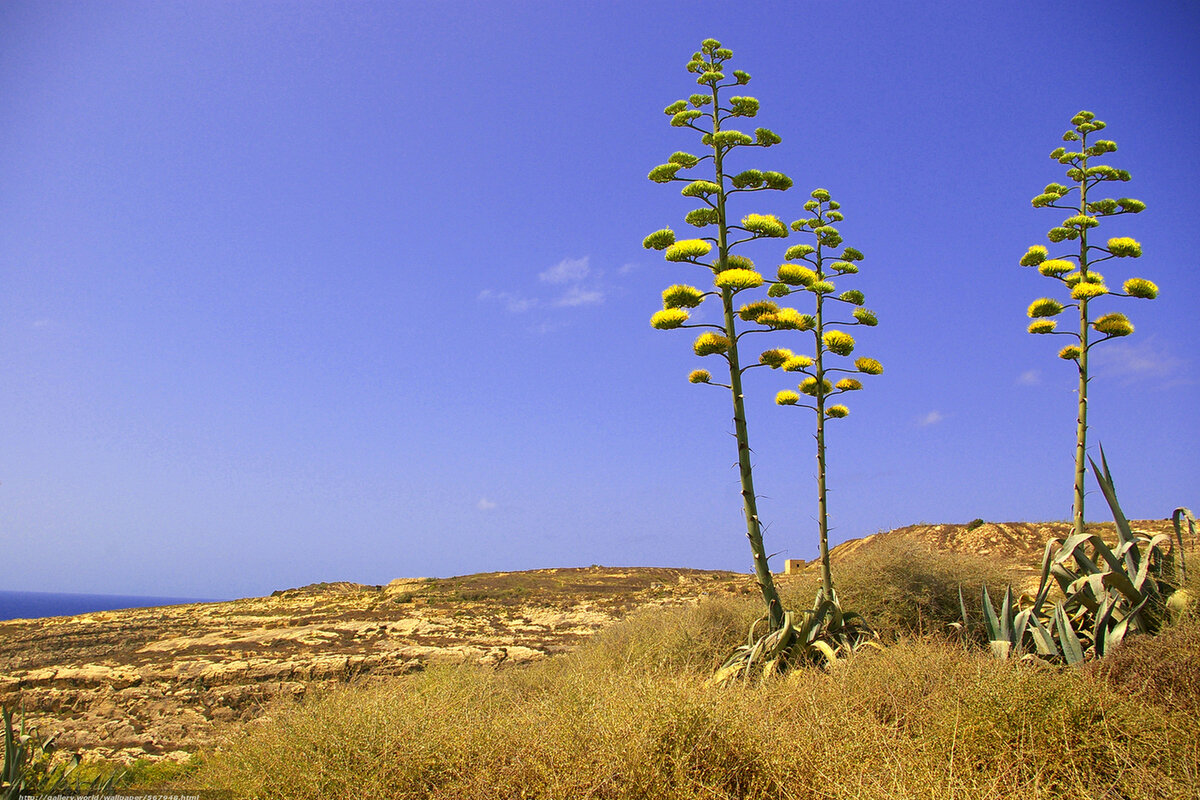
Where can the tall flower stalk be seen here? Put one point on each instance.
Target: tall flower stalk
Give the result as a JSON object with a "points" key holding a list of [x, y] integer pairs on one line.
{"points": [[707, 114], [1076, 270], [812, 268]]}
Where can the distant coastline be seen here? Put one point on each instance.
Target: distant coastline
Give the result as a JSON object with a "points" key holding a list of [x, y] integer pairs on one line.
{"points": [[34, 605]]}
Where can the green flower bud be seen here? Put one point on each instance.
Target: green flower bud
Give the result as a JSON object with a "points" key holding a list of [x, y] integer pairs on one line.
{"points": [[834, 205], [811, 205], [675, 108], [708, 344], [1043, 326], [668, 319], [1034, 256], [1055, 266], [798, 251], [684, 117], [696, 64], [797, 363], [684, 160], [1123, 175], [865, 317], [796, 275], [822, 287], [710, 78], [700, 189], [801, 224], [775, 358], [810, 387], [1131, 206], [1102, 171], [1057, 153], [699, 100], [700, 217], [848, 385], [837, 412], [710, 45], [1082, 117], [1070, 136], [1113, 325], [819, 194], [738, 262], [687, 249], [731, 138], [1103, 207], [765, 225], [1058, 234], [752, 311], [1056, 188], [1043, 200], [743, 106], [663, 173], [868, 366], [838, 342], [682, 296], [1070, 353], [659, 240], [1124, 247], [850, 254], [778, 290], [699, 376], [738, 279], [750, 177], [1140, 287], [723, 53], [741, 77], [787, 398], [1074, 173], [1080, 222], [1044, 307], [844, 268], [1088, 291], [852, 296], [787, 319], [834, 216], [765, 137], [777, 181]]}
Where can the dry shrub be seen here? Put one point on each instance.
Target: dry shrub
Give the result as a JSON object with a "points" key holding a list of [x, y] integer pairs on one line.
{"points": [[1163, 669]]}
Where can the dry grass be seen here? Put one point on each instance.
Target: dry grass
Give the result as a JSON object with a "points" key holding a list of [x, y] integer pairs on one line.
{"points": [[630, 716]]}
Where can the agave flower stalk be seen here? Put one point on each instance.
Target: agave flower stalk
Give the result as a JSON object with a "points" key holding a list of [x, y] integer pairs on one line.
{"points": [[707, 113], [812, 268], [1076, 270]]}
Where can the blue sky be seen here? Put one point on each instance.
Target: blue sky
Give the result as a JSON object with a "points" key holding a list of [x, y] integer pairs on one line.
{"points": [[294, 292]]}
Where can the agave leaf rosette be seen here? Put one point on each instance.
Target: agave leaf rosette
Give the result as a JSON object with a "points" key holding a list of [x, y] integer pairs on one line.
{"points": [[1108, 591], [720, 272], [1074, 269]]}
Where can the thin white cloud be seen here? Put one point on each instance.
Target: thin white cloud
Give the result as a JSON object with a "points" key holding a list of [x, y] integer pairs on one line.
{"points": [[41, 323], [1030, 377], [569, 270], [514, 303], [577, 296], [628, 268], [932, 418], [1143, 361], [484, 504]]}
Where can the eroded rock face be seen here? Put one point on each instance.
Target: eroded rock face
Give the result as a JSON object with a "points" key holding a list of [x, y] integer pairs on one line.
{"points": [[155, 682]]}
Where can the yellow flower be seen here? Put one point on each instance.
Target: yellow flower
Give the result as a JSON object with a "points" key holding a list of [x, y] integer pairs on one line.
{"points": [[868, 365], [1044, 307], [809, 387], [787, 319], [738, 279], [1140, 287], [1124, 247], [796, 275], [797, 363], [866, 317], [752, 311], [687, 249], [708, 344], [738, 262], [775, 358], [765, 225], [1055, 266], [837, 412], [682, 296], [822, 287], [848, 385], [1036, 255], [699, 376], [1043, 326], [1088, 291], [839, 342], [1113, 325], [1070, 352], [668, 318], [798, 251], [787, 398]]}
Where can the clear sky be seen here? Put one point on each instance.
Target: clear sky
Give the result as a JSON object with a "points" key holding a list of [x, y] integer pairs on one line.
{"points": [[293, 292]]}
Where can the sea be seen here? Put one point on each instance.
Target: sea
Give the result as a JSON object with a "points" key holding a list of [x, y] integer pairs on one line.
{"points": [[33, 605]]}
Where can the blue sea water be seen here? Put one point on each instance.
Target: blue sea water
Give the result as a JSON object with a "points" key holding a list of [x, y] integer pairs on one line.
{"points": [[31, 605]]}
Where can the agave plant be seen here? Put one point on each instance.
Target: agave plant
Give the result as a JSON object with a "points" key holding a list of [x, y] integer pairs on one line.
{"points": [[1108, 591], [26, 769], [820, 636]]}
